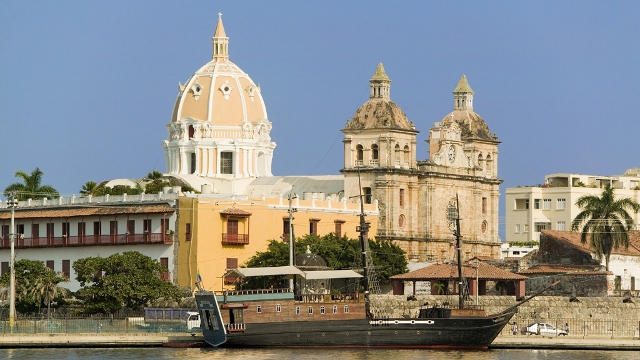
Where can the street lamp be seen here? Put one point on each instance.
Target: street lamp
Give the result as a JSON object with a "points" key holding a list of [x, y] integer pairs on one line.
{"points": [[12, 202]]}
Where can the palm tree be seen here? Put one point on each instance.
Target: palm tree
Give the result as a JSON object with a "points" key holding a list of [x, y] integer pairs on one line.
{"points": [[154, 175], [606, 220], [31, 187], [89, 188], [45, 289]]}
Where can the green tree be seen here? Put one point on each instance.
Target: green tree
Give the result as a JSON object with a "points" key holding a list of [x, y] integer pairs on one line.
{"points": [[31, 186], [36, 286], [337, 252], [156, 182], [89, 188], [606, 220], [127, 280], [45, 289]]}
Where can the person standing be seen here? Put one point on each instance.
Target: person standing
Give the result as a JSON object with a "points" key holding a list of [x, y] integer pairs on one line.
{"points": [[566, 328], [515, 328]]}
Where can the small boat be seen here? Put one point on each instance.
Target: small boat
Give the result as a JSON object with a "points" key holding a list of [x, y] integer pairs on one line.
{"points": [[281, 318]]}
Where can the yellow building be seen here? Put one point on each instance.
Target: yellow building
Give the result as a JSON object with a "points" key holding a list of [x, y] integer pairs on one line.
{"points": [[217, 233]]}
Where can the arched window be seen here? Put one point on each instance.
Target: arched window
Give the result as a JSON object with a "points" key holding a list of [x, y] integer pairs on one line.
{"points": [[489, 163], [397, 151], [480, 162], [374, 152], [191, 132], [359, 155], [406, 154]]}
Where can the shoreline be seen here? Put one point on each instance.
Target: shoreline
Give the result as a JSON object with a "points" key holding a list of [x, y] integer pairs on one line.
{"points": [[187, 340]]}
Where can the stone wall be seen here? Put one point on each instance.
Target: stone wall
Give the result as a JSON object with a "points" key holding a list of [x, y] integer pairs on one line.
{"points": [[541, 308], [578, 285]]}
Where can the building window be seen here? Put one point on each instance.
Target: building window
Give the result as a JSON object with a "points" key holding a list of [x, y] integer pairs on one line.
{"points": [[522, 204], [335, 309], [96, 228], [66, 268], [562, 204], [313, 226], [146, 226], [278, 308], [50, 264], [374, 152], [484, 205], [297, 310], [65, 229], [536, 204], [164, 225], [259, 309], [50, 231], [193, 163], [359, 155], [232, 263], [35, 232], [401, 198], [406, 154], [187, 231], [561, 226], [113, 230], [546, 205], [164, 262], [367, 195], [321, 309], [82, 231], [285, 229], [526, 228], [346, 309], [232, 227], [226, 162], [517, 228], [338, 227], [310, 309], [4, 267], [131, 227], [5, 232]]}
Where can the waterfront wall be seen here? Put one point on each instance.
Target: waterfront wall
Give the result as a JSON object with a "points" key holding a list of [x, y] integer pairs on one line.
{"points": [[541, 308]]}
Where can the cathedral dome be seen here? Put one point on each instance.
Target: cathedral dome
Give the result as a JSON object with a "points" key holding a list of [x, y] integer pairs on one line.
{"points": [[471, 124], [379, 112], [220, 92], [310, 261]]}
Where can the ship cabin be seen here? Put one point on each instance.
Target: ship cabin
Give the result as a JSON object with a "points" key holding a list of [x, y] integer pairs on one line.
{"points": [[312, 295]]}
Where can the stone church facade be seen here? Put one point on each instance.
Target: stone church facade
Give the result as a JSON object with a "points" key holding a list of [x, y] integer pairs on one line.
{"points": [[417, 198]]}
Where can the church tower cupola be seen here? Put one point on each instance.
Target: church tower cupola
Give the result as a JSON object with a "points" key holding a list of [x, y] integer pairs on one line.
{"points": [[463, 95], [220, 41], [380, 84]]}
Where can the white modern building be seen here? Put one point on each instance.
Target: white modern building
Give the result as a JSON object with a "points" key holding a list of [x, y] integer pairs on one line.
{"points": [[60, 231], [551, 205]]}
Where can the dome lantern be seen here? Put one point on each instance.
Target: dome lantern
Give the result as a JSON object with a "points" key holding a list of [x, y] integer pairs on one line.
{"points": [[463, 95], [220, 41], [380, 84]]}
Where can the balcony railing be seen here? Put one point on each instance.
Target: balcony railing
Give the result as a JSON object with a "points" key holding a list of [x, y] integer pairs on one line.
{"points": [[374, 163], [89, 240], [235, 239]]}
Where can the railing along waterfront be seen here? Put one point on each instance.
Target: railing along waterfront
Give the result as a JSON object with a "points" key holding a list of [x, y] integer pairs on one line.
{"points": [[620, 328], [93, 325]]}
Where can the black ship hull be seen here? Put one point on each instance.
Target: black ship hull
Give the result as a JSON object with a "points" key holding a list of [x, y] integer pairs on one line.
{"points": [[388, 333]]}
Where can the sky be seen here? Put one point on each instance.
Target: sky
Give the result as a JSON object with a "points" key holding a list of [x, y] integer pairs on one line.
{"points": [[87, 87]]}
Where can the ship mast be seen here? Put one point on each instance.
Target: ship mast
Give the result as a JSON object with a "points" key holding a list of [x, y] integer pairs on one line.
{"points": [[459, 250], [363, 229]]}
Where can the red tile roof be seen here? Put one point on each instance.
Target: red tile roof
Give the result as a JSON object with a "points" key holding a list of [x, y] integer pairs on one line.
{"points": [[84, 210], [446, 271], [572, 238], [232, 211], [563, 269]]}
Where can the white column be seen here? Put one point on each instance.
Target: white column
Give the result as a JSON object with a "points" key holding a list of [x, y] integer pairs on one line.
{"points": [[183, 162]]}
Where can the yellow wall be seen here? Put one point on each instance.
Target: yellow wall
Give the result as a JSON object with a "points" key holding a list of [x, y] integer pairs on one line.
{"points": [[205, 251]]}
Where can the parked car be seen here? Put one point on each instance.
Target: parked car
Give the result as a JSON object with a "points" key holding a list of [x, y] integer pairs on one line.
{"points": [[543, 329]]}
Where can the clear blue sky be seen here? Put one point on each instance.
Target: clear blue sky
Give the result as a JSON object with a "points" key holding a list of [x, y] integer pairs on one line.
{"points": [[87, 87]]}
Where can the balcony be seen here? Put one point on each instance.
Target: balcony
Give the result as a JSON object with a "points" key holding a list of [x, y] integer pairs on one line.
{"points": [[359, 163], [235, 239], [89, 240], [374, 163]]}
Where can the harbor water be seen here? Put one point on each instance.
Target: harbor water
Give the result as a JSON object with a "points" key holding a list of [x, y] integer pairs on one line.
{"points": [[307, 354]]}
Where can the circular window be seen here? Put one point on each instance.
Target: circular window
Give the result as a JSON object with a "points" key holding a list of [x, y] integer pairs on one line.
{"points": [[226, 88], [401, 221], [484, 226]]}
